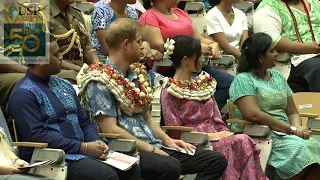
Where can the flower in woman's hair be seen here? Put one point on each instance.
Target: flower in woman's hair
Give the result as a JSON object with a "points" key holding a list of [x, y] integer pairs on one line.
{"points": [[169, 47]]}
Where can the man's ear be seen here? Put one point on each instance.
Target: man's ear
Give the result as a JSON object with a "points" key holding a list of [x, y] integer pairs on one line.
{"points": [[125, 44]]}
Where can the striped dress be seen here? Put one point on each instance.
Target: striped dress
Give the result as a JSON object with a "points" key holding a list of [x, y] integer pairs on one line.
{"points": [[290, 154]]}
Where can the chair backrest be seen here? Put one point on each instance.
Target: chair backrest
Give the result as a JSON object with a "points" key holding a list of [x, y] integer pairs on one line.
{"points": [[307, 102], [197, 12], [3, 124], [232, 109], [244, 6]]}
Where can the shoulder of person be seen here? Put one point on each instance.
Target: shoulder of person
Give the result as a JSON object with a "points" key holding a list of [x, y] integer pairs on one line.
{"points": [[276, 73], [73, 7], [243, 76], [62, 81], [179, 11], [270, 4]]}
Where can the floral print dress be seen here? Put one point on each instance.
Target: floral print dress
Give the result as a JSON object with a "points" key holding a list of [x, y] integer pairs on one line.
{"points": [[241, 151]]}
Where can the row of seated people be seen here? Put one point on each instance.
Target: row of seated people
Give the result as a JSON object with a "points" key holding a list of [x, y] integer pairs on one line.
{"points": [[50, 111], [49, 108], [279, 19], [74, 57], [161, 20]]}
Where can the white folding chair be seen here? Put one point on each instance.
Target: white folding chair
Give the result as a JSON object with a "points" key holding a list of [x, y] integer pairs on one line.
{"points": [[57, 170], [244, 6], [283, 64], [197, 12], [258, 133]]}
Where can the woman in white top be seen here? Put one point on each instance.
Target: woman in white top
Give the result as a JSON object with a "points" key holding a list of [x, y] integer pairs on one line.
{"points": [[227, 25]]}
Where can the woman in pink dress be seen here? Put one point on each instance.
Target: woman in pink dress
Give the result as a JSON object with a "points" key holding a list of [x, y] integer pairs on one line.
{"points": [[188, 101]]}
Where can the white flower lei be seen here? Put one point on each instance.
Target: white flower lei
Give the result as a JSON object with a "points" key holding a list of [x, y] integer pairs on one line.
{"points": [[131, 99]]}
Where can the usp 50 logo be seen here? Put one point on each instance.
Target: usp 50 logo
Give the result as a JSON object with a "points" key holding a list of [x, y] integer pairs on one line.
{"points": [[23, 28]]}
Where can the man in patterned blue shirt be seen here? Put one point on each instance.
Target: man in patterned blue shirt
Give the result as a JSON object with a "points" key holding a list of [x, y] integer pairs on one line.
{"points": [[46, 109], [157, 163]]}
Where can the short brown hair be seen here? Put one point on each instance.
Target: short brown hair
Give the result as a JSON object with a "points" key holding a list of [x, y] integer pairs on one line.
{"points": [[120, 30]]}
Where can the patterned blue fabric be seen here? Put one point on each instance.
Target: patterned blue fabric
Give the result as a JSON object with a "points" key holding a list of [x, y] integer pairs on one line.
{"points": [[154, 77], [99, 100], [102, 17], [206, 4], [49, 111]]}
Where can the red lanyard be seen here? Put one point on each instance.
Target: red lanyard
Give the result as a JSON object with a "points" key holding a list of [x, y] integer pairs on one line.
{"points": [[295, 21]]}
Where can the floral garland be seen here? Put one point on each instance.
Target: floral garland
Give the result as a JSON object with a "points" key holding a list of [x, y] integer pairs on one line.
{"points": [[198, 89], [169, 47], [132, 98]]}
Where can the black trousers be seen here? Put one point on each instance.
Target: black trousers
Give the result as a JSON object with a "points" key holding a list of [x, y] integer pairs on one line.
{"points": [[90, 169], [310, 70], [209, 165]]}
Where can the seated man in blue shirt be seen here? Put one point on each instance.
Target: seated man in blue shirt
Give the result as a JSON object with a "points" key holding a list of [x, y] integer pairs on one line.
{"points": [[106, 96], [46, 109]]}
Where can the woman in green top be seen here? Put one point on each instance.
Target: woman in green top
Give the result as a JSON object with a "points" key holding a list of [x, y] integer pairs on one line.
{"points": [[263, 96], [294, 26]]}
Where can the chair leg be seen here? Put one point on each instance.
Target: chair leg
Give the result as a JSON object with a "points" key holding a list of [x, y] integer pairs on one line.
{"points": [[265, 146]]}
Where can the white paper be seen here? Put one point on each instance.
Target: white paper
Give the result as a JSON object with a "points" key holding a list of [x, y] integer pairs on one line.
{"points": [[120, 161], [37, 164], [280, 133], [182, 150], [214, 139]]}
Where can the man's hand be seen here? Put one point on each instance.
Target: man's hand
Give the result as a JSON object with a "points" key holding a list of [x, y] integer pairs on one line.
{"points": [[158, 151], [95, 149], [105, 152], [178, 144]]}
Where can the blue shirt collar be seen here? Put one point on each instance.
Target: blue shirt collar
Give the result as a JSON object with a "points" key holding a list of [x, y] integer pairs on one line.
{"points": [[131, 74], [37, 78]]}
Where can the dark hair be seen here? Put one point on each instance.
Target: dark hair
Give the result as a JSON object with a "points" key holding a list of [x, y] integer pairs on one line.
{"points": [[213, 3], [147, 4], [253, 47], [185, 46]]}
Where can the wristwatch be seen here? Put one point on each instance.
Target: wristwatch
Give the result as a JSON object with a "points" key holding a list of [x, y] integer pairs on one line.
{"points": [[293, 129]]}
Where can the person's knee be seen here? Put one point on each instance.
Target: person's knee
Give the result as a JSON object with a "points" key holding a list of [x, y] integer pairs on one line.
{"points": [[108, 175], [172, 167], [135, 173], [218, 160]]}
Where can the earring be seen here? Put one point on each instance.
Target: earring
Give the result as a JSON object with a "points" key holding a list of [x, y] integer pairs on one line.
{"points": [[260, 61]]}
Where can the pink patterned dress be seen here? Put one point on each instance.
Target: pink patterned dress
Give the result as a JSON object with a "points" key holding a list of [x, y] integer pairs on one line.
{"points": [[240, 150]]}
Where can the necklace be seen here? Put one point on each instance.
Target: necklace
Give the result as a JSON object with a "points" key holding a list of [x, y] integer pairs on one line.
{"points": [[132, 99], [295, 21], [198, 89]]}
